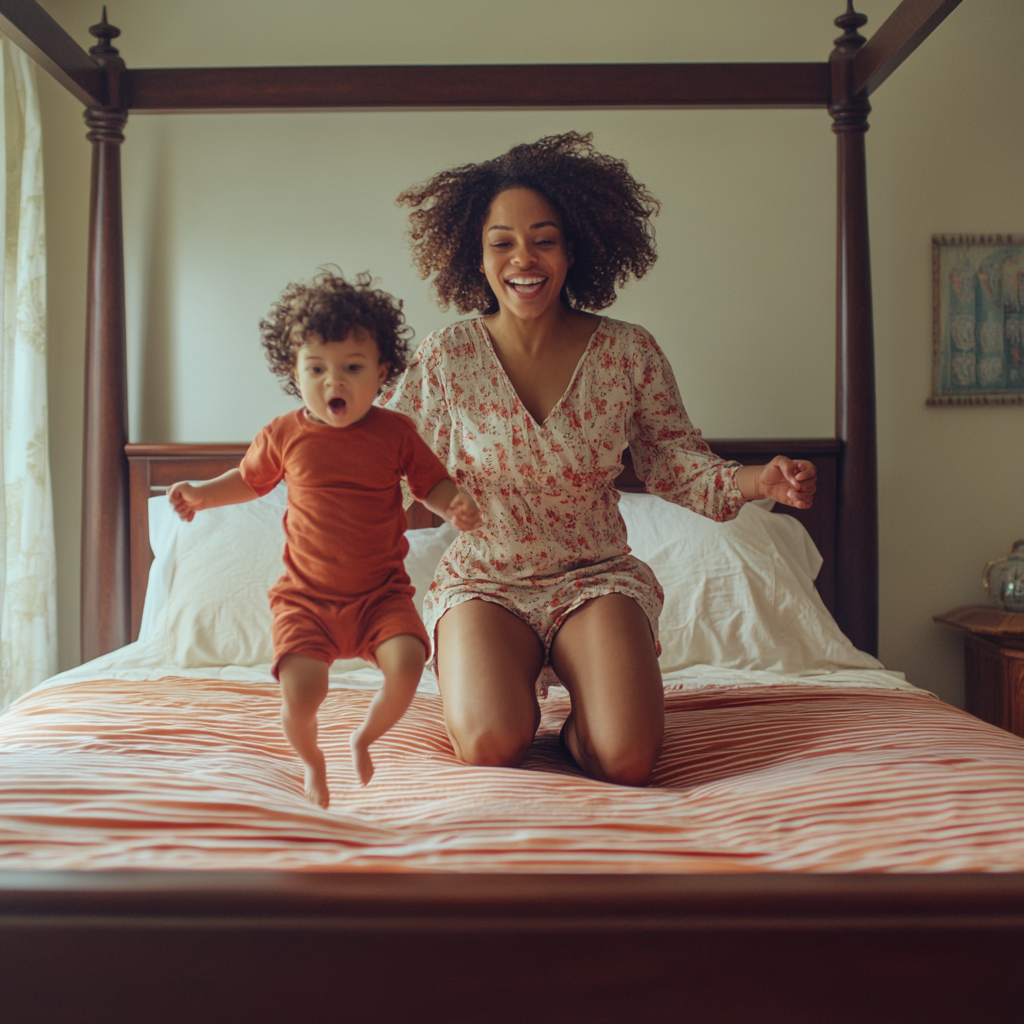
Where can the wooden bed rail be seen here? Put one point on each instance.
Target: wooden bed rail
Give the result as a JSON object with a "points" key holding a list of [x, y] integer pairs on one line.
{"points": [[896, 39], [29, 26], [489, 86]]}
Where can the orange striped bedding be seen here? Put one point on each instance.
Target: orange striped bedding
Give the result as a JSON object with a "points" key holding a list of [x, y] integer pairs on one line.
{"points": [[196, 774]]}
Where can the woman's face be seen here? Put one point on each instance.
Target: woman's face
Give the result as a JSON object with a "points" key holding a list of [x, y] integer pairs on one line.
{"points": [[525, 259]]}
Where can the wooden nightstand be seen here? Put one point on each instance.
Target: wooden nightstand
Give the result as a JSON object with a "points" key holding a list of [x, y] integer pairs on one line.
{"points": [[993, 663]]}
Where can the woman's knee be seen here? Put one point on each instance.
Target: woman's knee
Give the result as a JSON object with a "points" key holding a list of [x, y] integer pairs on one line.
{"points": [[490, 745], [628, 768], [625, 761]]}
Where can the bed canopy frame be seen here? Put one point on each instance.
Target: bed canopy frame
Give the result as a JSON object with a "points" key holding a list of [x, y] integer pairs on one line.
{"points": [[111, 92], [761, 947]]}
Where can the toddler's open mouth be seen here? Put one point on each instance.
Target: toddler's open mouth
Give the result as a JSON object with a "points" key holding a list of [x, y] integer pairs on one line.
{"points": [[337, 405]]}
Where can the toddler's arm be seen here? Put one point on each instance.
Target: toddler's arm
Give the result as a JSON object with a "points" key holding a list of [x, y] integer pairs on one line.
{"points": [[227, 489], [457, 507], [790, 481]]}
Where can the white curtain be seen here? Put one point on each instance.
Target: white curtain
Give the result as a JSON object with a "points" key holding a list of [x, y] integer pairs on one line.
{"points": [[28, 587]]}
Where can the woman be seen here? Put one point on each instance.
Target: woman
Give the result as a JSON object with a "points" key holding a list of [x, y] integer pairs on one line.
{"points": [[531, 406]]}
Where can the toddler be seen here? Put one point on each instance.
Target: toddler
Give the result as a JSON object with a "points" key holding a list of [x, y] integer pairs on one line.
{"points": [[344, 592]]}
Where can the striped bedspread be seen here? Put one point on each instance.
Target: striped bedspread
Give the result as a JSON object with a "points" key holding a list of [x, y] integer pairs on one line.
{"points": [[186, 773]]}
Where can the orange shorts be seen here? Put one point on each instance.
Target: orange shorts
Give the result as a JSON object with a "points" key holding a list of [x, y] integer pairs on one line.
{"points": [[328, 630]]}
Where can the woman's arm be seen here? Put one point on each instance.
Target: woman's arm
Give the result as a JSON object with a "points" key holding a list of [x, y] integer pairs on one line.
{"points": [[669, 454], [227, 489], [671, 457], [419, 394]]}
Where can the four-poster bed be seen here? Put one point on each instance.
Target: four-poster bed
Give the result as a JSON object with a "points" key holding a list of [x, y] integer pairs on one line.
{"points": [[492, 946]]}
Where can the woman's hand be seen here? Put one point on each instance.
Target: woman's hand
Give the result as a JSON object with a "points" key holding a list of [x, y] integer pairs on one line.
{"points": [[791, 481], [463, 512]]}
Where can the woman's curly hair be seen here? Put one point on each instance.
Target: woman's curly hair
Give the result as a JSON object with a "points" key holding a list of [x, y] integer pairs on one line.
{"points": [[331, 307], [606, 216]]}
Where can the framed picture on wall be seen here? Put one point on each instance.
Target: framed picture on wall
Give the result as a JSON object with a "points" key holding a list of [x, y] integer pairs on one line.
{"points": [[978, 319]]}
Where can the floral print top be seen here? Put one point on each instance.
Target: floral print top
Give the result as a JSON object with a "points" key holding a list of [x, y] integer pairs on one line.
{"points": [[546, 490]]}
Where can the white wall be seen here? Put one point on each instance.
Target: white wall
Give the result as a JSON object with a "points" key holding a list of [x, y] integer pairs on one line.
{"points": [[222, 210], [214, 232], [946, 157]]}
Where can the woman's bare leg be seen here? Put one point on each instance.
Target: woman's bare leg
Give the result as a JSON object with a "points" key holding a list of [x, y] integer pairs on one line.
{"points": [[488, 661], [401, 659], [303, 688], [604, 654]]}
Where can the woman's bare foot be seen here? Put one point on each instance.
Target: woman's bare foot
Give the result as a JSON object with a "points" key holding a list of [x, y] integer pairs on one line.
{"points": [[316, 782], [361, 760]]}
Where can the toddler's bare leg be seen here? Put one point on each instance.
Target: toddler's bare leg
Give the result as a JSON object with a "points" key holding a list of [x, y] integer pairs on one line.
{"points": [[401, 659], [303, 688]]}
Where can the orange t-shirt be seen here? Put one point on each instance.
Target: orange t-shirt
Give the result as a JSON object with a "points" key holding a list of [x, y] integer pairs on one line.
{"points": [[345, 525]]}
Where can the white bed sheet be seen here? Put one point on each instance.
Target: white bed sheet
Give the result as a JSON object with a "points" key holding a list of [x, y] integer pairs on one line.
{"points": [[146, 660]]}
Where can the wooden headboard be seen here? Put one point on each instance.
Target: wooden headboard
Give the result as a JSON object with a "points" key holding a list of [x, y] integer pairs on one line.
{"points": [[154, 467]]}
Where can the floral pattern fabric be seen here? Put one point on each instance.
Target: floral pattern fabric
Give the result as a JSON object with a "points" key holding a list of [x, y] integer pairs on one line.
{"points": [[552, 536]]}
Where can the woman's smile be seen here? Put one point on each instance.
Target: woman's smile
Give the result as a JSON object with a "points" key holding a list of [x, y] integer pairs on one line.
{"points": [[526, 286]]}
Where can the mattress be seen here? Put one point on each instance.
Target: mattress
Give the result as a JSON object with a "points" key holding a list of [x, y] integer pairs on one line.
{"points": [[841, 772]]}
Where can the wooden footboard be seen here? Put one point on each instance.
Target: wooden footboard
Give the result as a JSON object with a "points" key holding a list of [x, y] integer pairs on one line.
{"points": [[506, 949], [154, 467]]}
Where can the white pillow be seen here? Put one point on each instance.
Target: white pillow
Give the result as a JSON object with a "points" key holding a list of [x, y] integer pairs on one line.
{"points": [[207, 592], [739, 594], [163, 536]]}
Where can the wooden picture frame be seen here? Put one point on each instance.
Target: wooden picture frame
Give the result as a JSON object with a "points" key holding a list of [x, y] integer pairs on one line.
{"points": [[977, 320]]}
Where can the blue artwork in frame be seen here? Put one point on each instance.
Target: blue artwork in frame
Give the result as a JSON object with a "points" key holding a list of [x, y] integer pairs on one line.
{"points": [[978, 319]]}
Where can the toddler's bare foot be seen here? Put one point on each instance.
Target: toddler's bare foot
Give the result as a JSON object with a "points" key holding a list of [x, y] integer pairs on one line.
{"points": [[361, 760], [316, 782]]}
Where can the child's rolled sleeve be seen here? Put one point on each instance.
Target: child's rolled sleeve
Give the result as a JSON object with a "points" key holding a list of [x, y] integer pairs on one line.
{"points": [[262, 466]]}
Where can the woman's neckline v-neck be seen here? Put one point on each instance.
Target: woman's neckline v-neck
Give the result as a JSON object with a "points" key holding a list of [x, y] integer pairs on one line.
{"points": [[540, 424]]}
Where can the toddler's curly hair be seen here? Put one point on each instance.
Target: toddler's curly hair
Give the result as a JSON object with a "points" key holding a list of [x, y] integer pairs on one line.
{"points": [[606, 216], [331, 307]]}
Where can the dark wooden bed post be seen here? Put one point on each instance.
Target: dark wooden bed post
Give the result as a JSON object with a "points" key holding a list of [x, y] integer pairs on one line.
{"points": [[106, 618], [857, 523]]}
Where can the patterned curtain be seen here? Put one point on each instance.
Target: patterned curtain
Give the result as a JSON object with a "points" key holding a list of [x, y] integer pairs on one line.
{"points": [[28, 587]]}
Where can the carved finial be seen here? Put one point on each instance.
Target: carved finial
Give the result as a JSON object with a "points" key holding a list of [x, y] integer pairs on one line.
{"points": [[849, 23], [104, 32]]}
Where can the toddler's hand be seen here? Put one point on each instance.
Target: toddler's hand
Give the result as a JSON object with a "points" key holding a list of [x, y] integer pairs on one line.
{"points": [[463, 512], [790, 481], [186, 500]]}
